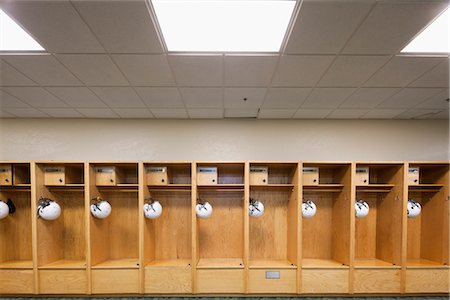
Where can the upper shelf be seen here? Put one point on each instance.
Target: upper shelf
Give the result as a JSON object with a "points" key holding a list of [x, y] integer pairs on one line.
{"points": [[424, 187], [271, 263], [220, 263], [323, 188], [375, 188]]}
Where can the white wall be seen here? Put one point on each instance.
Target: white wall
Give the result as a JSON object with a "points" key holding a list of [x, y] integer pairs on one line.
{"points": [[78, 139]]}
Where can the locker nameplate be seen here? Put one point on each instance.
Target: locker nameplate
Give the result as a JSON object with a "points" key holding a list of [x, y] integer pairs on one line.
{"points": [[4, 170], [413, 170], [272, 274], [310, 170], [156, 170], [258, 170], [54, 170], [362, 170], [207, 170], [104, 170]]}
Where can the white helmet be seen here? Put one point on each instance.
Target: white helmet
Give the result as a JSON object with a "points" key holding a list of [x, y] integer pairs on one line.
{"points": [[100, 209], [255, 208], [48, 209], [414, 208], [4, 210], [309, 209], [203, 210], [361, 209], [152, 210]]}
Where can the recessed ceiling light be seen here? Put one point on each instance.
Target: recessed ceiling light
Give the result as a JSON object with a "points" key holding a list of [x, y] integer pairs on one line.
{"points": [[223, 25], [14, 38], [433, 39]]}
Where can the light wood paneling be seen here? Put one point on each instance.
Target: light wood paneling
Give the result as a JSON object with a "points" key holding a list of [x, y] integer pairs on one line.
{"points": [[427, 281], [374, 281], [110, 281], [16, 282], [62, 281], [324, 281], [219, 281], [285, 284], [168, 280]]}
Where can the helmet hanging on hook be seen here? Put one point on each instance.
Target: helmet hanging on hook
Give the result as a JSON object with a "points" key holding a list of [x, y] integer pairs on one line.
{"points": [[255, 208], [100, 208], [48, 209], [152, 209], [203, 209]]}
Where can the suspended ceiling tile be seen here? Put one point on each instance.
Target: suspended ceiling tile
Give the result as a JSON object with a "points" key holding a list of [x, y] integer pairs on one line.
{"points": [[121, 26], [62, 112], [438, 101], [197, 70], [94, 69], [417, 114], [145, 70], [203, 97], [347, 114], [43, 69], [174, 113], [409, 98], [241, 113], [391, 25], [244, 97], [56, 25], [35, 97], [118, 97], [401, 70], [383, 113], [368, 97], [9, 101], [165, 97], [205, 113], [276, 113], [11, 77], [327, 97], [105, 113], [325, 26], [26, 112], [249, 70], [133, 113], [286, 97], [312, 113], [300, 71], [436, 77], [78, 97], [352, 71]]}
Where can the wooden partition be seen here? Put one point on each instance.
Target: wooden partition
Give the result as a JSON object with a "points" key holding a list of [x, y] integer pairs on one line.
{"points": [[230, 253]]}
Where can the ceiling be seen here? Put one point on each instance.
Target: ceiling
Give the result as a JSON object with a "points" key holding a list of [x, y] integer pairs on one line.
{"points": [[340, 61]]}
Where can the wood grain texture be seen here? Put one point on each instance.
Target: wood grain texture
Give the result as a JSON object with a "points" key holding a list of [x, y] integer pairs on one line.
{"points": [[220, 281], [427, 281], [124, 281], [325, 281], [16, 282], [62, 281], [286, 284], [15, 229], [221, 235], [168, 280], [372, 281]]}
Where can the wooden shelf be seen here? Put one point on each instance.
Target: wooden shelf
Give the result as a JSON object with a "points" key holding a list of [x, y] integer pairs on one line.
{"points": [[125, 263], [169, 263], [123, 187], [316, 263], [16, 264], [222, 187], [323, 188], [373, 263], [270, 263], [271, 186], [220, 263], [65, 264], [425, 187], [424, 263], [70, 187], [183, 188], [374, 188]]}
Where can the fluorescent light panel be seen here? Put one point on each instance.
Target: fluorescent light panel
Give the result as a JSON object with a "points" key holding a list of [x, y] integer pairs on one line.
{"points": [[14, 38], [434, 38], [223, 25]]}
